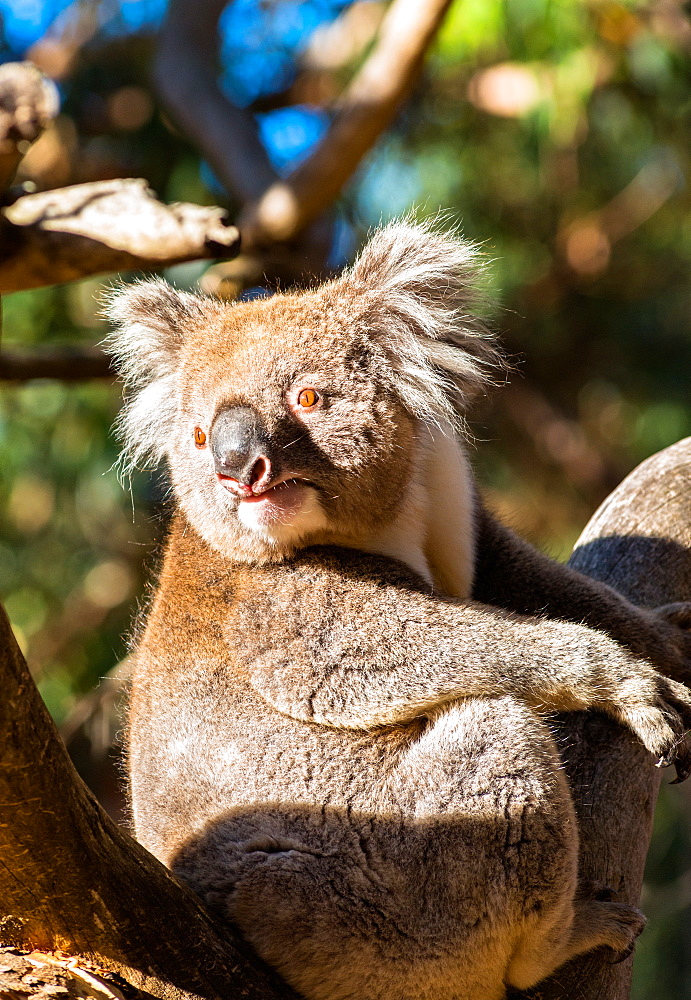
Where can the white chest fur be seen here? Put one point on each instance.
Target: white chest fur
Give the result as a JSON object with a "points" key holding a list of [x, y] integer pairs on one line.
{"points": [[434, 530]]}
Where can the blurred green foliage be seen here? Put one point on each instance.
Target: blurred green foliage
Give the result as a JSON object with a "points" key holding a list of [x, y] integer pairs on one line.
{"points": [[70, 546], [557, 131]]}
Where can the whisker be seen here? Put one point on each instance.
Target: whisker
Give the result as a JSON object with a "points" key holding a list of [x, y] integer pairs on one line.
{"points": [[291, 443]]}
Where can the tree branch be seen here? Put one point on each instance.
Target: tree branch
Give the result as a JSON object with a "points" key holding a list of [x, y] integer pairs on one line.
{"points": [[366, 109], [278, 210], [69, 364], [74, 232], [28, 102], [186, 76], [70, 880], [638, 542]]}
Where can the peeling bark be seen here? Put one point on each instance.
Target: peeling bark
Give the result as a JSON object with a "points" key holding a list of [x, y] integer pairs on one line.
{"points": [[74, 232]]}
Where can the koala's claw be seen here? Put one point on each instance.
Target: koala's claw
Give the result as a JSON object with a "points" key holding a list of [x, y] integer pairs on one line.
{"points": [[680, 756], [682, 762], [682, 774], [664, 723], [678, 753]]}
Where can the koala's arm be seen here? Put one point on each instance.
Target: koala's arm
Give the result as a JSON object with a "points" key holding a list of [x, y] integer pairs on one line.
{"points": [[511, 574], [351, 641]]}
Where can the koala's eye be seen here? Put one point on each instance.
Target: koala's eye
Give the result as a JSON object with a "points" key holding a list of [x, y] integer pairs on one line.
{"points": [[199, 437], [307, 398]]}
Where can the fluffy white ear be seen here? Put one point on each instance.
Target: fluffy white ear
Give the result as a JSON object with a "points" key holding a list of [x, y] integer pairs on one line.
{"points": [[150, 322], [420, 289]]}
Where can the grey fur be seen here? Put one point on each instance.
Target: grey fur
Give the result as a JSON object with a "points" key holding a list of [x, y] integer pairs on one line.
{"points": [[338, 748]]}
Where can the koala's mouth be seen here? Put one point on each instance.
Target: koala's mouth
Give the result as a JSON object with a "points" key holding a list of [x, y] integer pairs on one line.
{"points": [[277, 493], [286, 506]]}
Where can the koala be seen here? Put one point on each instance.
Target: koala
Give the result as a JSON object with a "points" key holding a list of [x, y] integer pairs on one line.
{"points": [[338, 723]]}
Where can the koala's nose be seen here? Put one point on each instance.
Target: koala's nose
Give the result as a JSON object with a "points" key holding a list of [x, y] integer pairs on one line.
{"points": [[239, 445]]}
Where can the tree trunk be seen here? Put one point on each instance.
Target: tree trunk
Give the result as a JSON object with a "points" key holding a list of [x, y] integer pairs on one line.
{"points": [[638, 542]]}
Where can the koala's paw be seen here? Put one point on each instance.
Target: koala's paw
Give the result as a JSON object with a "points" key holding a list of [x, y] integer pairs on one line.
{"points": [[604, 923], [658, 710], [625, 924], [677, 614], [671, 645]]}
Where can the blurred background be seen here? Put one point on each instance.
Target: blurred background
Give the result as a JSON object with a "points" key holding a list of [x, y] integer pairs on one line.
{"points": [[557, 132]]}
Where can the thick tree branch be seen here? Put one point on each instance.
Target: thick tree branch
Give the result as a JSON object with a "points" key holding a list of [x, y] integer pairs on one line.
{"points": [[69, 364], [638, 542], [186, 76], [70, 880], [28, 101], [279, 210], [74, 232], [366, 109]]}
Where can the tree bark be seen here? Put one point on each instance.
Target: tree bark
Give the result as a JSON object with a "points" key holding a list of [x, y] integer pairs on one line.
{"points": [[69, 364], [71, 880], [28, 102], [638, 542], [73, 232]]}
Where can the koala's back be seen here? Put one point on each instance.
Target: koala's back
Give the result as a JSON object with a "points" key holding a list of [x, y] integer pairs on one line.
{"points": [[405, 861]]}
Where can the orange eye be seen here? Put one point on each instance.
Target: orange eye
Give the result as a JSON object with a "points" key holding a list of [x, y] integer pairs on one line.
{"points": [[199, 437], [308, 398]]}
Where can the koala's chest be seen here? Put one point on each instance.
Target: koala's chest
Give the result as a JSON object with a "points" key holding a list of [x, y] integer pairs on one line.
{"points": [[203, 743]]}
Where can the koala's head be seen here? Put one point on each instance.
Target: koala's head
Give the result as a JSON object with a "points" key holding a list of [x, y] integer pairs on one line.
{"points": [[294, 419]]}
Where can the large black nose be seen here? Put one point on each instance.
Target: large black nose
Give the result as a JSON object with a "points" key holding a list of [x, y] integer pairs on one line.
{"points": [[239, 444]]}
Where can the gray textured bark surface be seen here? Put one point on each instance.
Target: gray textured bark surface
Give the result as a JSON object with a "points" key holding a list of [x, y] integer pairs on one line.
{"points": [[639, 542]]}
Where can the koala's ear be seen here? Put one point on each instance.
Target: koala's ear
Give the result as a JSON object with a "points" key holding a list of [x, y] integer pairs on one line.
{"points": [[419, 289], [151, 320], [439, 269]]}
